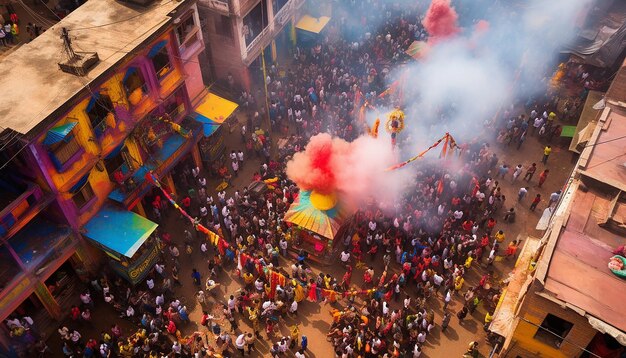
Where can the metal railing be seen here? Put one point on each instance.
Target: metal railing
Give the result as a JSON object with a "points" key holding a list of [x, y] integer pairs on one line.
{"points": [[271, 30]]}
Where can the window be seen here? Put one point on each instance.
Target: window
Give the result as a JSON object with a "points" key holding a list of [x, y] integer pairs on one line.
{"points": [[175, 104], [83, 196], [185, 28], [117, 162], [277, 5], [64, 150], [135, 85], [255, 22], [99, 107], [161, 62], [552, 330], [223, 26]]}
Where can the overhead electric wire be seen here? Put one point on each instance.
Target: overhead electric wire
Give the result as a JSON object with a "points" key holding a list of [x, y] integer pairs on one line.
{"points": [[53, 100], [122, 20]]}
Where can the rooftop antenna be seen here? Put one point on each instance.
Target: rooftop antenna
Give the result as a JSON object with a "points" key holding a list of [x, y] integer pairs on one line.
{"points": [[76, 63], [67, 44]]}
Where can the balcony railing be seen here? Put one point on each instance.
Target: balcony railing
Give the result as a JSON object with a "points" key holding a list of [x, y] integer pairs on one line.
{"points": [[269, 32], [161, 164]]}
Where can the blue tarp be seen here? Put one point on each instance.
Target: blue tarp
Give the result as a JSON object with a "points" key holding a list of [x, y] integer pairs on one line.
{"points": [[209, 126], [57, 134], [119, 230], [156, 48]]}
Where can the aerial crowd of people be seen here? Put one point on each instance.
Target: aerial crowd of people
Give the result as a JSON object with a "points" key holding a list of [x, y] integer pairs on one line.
{"points": [[396, 259]]}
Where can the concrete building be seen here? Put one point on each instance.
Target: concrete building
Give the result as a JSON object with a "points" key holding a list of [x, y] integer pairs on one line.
{"points": [[79, 133], [236, 31], [562, 300]]}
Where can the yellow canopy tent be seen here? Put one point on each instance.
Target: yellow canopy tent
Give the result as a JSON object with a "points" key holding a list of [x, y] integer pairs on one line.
{"points": [[216, 108], [312, 24]]}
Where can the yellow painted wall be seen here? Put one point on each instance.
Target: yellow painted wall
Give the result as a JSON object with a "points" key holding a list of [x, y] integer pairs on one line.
{"points": [[133, 150], [523, 335], [170, 81], [112, 138], [99, 181], [99, 147], [85, 135]]}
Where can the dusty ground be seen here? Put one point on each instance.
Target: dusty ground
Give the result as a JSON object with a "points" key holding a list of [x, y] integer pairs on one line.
{"points": [[314, 319]]}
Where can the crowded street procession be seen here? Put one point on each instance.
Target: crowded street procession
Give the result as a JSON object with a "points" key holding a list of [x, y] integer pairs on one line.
{"points": [[371, 195]]}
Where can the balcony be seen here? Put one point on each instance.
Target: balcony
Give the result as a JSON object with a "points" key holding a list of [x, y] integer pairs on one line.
{"points": [[264, 38], [19, 209], [40, 243], [41, 246], [160, 162], [219, 6]]}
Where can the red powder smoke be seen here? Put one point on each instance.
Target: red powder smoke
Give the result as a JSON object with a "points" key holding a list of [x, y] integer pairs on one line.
{"points": [[440, 20], [482, 26], [312, 169], [354, 170]]}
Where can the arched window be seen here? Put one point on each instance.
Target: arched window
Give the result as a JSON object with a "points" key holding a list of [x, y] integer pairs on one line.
{"points": [[135, 85], [100, 112]]}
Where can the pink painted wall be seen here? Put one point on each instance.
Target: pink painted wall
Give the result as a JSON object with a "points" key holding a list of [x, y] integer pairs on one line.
{"points": [[193, 82]]}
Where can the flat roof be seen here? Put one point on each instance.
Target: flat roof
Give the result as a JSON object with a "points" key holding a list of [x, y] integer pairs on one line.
{"points": [[617, 89], [607, 158], [578, 272], [34, 85]]}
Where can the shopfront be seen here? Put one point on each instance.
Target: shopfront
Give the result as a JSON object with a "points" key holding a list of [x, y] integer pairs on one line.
{"points": [[213, 111], [126, 238]]}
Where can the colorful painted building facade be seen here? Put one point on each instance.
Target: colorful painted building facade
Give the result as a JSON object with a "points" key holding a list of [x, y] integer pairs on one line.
{"points": [[75, 150]]}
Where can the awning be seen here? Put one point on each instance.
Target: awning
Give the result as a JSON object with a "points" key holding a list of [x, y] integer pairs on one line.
{"points": [[115, 151], [214, 108], [167, 150], [58, 133], [119, 230], [312, 24], [519, 279], [587, 121], [208, 126]]}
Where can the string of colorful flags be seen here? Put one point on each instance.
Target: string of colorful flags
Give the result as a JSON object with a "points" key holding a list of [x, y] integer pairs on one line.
{"points": [[275, 279], [215, 239], [449, 143]]}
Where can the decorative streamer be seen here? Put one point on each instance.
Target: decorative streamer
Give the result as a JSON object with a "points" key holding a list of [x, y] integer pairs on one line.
{"points": [[449, 142], [213, 238]]}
